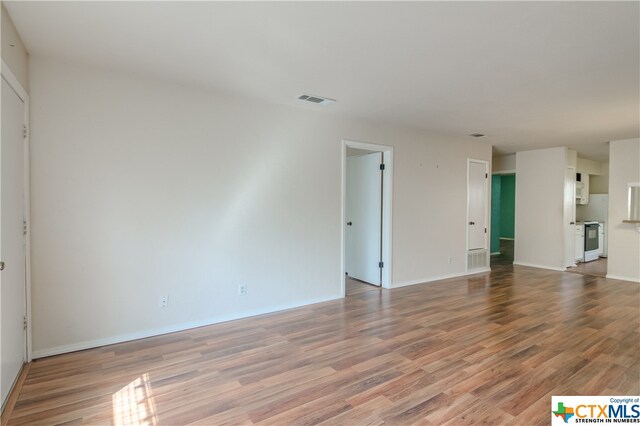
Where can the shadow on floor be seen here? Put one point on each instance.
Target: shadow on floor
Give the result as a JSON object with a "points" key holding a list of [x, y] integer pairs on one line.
{"points": [[506, 254]]}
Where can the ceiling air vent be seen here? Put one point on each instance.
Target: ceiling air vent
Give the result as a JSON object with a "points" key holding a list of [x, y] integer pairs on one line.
{"points": [[316, 99]]}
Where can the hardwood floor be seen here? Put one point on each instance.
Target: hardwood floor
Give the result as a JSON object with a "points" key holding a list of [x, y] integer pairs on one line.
{"points": [[506, 254], [488, 348], [356, 287], [597, 268]]}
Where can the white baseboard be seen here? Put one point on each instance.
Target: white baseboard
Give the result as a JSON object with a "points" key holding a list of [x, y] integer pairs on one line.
{"points": [[534, 265], [619, 277], [439, 278], [89, 344]]}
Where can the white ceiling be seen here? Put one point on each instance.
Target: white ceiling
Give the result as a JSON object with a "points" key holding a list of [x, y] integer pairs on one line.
{"points": [[527, 74]]}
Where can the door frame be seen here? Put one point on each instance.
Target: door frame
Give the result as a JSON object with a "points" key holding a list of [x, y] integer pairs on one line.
{"points": [[387, 210], [569, 241], [487, 203], [11, 79]]}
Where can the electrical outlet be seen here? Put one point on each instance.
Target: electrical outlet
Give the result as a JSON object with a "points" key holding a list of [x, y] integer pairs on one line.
{"points": [[450, 259], [164, 301], [242, 289]]}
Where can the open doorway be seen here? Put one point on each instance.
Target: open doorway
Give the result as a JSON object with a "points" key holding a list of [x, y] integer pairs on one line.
{"points": [[503, 196], [366, 213], [592, 217]]}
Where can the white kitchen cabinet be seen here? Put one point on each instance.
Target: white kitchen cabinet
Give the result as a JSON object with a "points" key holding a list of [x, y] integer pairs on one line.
{"points": [[580, 243], [602, 240], [582, 189]]}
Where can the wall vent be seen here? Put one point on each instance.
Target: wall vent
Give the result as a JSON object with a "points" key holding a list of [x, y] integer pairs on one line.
{"points": [[477, 259], [320, 100]]}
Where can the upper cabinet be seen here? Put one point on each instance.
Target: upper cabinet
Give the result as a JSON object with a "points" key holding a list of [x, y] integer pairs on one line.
{"points": [[582, 188]]}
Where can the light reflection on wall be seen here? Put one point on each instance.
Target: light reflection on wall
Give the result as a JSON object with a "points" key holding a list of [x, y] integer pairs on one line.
{"points": [[133, 404], [265, 173]]}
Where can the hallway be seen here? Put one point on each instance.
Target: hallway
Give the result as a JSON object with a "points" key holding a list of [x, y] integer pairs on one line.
{"points": [[506, 254]]}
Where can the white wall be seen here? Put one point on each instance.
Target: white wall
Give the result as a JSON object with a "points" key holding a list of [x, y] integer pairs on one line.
{"points": [[596, 209], [143, 188], [598, 172], [571, 158], [503, 163], [539, 231], [624, 238], [590, 167], [599, 184], [13, 51]]}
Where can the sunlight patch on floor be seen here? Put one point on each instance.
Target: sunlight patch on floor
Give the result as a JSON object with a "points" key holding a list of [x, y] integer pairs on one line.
{"points": [[133, 404]]}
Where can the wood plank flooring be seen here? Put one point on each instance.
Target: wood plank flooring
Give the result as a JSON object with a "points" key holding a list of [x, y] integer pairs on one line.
{"points": [[597, 268], [489, 348], [505, 256]]}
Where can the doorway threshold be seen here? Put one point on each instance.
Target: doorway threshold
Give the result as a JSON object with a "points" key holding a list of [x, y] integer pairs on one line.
{"points": [[354, 286]]}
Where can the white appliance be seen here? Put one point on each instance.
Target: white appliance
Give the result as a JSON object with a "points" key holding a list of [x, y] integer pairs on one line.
{"points": [[596, 210], [591, 241]]}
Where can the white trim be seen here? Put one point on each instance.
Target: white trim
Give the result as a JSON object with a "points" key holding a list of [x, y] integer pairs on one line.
{"points": [[508, 239], [629, 186], [569, 240], [440, 278], [535, 265], [494, 253], [487, 211], [387, 209], [14, 83], [11, 79], [88, 344], [620, 277]]}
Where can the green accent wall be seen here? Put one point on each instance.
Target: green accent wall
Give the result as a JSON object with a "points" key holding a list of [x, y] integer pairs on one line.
{"points": [[503, 207], [507, 206], [495, 212]]}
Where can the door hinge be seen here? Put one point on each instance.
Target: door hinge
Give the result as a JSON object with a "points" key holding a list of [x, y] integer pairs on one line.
{"points": [[486, 175], [24, 227], [24, 323], [24, 131], [485, 230], [380, 264], [381, 166]]}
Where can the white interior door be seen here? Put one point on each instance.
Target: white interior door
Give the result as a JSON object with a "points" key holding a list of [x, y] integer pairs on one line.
{"points": [[477, 205], [363, 209], [12, 241], [570, 217]]}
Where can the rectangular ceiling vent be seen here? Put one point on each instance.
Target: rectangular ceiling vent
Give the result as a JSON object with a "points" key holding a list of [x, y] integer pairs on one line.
{"points": [[316, 99]]}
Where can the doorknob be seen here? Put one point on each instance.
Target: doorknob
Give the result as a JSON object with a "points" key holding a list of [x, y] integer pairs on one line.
{"points": [[472, 223], [349, 223], [572, 223], [1, 266]]}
